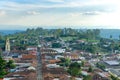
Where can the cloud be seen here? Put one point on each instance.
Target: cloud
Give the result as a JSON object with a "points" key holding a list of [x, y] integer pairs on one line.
{"points": [[48, 4], [59, 12], [75, 14], [33, 13], [93, 13], [84, 7], [56, 1], [2, 13], [86, 13]]}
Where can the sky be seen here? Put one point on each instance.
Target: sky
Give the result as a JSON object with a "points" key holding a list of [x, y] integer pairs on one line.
{"points": [[20, 14]]}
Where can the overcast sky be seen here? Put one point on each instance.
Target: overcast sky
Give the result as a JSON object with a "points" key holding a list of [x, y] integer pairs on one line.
{"points": [[89, 13]]}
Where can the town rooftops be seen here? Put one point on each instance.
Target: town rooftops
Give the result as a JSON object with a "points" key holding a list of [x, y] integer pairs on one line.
{"points": [[31, 48], [23, 75], [112, 63], [28, 56], [52, 50], [103, 74], [59, 50], [52, 66], [55, 71], [115, 72]]}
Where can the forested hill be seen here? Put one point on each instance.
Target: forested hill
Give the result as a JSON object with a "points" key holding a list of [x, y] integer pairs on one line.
{"points": [[105, 33], [7, 32], [30, 37]]}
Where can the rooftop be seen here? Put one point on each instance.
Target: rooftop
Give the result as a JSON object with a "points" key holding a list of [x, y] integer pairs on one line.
{"points": [[115, 72], [112, 63]]}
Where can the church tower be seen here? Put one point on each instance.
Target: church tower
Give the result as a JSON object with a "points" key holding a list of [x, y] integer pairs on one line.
{"points": [[7, 46]]}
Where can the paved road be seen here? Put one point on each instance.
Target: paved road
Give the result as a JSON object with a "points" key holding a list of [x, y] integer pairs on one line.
{"points": [[39, 66]]}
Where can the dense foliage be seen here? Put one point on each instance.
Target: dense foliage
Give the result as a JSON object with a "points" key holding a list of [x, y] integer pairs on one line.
{"points": [[114, 78], [5, 66], [101, 66], [92, 40], [74, 69]]}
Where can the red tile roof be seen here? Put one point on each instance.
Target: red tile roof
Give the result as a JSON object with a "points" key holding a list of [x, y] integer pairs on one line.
{"points": [[28, 56]]}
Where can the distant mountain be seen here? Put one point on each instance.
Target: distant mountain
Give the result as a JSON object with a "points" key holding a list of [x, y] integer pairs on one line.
{"points": [[105, 33], [6, 32]]}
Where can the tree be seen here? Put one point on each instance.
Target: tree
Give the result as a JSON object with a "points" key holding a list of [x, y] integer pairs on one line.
{"points": [[92, 48], [10, 64], [56, 45], [2, 67], [101, 66], [5, 66], [64, 62], [90, 69], [58, 32], [112, 45], [87, 77], [3, 72], [111, 36], [74, 69], [96, 33], [1, 37], [114, 78], [0, 53], [82, 63], [119, 37]]}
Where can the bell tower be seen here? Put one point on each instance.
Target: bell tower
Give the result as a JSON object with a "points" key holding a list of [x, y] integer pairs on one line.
{"points": [[7, 46]]}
